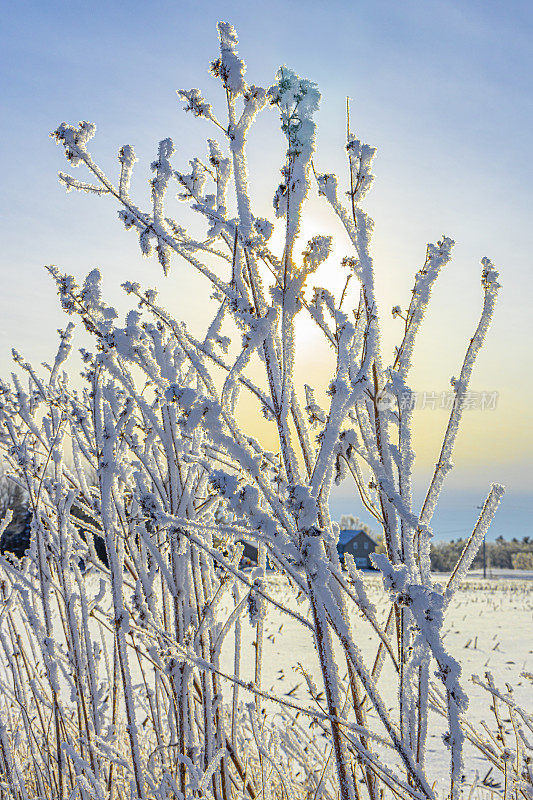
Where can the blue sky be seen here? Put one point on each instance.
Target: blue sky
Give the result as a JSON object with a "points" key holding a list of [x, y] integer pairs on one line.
{"points": [[443, 89]]}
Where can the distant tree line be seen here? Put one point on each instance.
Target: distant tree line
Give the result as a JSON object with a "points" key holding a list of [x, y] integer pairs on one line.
{"points": [[501, 554], [15, 539]]}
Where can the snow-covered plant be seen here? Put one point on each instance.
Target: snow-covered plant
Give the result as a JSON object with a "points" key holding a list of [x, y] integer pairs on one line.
{"points": [[181, 469]]}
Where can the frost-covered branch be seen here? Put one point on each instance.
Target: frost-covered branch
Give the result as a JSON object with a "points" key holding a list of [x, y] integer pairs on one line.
{"points": [[144, 484]]}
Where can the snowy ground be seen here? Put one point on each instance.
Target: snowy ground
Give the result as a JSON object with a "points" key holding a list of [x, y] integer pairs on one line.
{"points": [[489, 626]]}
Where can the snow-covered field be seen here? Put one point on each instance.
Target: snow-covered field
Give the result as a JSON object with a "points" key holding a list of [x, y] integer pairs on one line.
{"points": [[489, 626]]}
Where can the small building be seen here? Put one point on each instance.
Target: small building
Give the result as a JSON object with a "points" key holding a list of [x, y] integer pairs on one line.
{"points": [[359, 544], [249, 554]]}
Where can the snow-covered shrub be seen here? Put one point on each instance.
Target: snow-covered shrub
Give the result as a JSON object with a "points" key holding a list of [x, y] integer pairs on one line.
{"points": [[113, 684]]}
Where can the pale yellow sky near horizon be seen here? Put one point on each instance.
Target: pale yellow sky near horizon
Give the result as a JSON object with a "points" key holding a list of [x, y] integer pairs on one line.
{"points": [[493, 444]]}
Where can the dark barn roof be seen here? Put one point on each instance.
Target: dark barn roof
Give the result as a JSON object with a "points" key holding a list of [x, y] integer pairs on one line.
{"points": [[346, 536]]}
